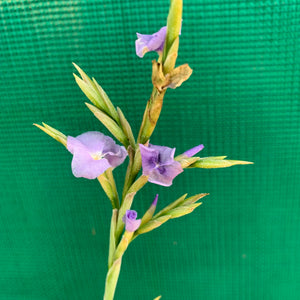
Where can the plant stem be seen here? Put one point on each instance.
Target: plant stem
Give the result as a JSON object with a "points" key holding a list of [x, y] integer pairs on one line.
{"points": [[131, 185], [112, 238], [151, 115], [114, 270], [112, 279]]}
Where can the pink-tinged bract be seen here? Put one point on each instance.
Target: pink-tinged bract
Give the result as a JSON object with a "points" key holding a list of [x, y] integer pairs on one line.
{"points": [[150, 42], [158, 163], [93, 153], [131, 224]]}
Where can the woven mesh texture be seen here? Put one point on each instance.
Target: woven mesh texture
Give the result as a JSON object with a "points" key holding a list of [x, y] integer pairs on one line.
{"points": [[242, 101]]}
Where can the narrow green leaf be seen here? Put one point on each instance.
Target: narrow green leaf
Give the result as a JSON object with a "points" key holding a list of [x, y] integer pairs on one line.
{"points": [[95, 93], [89, 91], [137, 163], [132, 173], [170, 60], [128, 177], [123, 245], [187, 161], [239, 162], [109, 175], [194, 199], [150, 212], [83, 75], [110, 107], [112, 240], [182, 210], [104, 181], [112, 279], [154, 223], [173, 25], [109, 123], [171, 206], [126, 128], [57, 135], [144, 121], [217, 162], [138, 184], [215, 157]]}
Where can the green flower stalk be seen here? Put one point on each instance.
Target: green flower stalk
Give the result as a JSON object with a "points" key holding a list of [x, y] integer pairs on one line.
{"points": [[95, 156]]}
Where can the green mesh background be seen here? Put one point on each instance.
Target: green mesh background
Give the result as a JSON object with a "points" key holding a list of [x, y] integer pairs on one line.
{"points": [[242, 101]]}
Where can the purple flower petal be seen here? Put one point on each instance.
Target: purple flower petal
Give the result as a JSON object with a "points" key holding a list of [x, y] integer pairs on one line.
{"points": [[116, 158], [73, 143], [158, 163], [96, 141], [149, 159], [193, 151], [83, 165], [166, 154], [131, 224], [93, 153], [164, 175], [150, 42]]}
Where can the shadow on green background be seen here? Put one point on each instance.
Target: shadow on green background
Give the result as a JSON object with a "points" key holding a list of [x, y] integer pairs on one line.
{"points": [[242, 101]]}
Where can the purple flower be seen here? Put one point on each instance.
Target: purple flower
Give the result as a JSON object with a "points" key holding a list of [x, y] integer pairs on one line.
{"points": [[93, 153], [150, 42], [159, 164], [131, 224], [193, 151]]}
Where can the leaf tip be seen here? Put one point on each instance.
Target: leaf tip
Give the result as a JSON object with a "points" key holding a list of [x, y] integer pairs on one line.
{"points": [[37, 125]]}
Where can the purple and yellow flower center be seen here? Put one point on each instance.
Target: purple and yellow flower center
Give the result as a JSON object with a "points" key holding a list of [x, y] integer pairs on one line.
{"points": [[97, 155], [159, 164], [93, 153]]}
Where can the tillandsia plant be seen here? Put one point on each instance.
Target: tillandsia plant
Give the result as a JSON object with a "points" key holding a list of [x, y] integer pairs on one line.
{"points": [[96, 155]]}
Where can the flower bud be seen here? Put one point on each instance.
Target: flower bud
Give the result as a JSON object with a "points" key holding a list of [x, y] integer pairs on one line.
{"points": [[131, 224]]}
